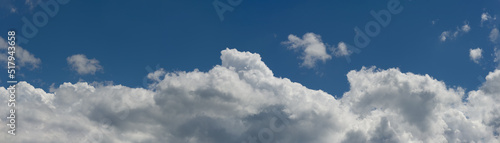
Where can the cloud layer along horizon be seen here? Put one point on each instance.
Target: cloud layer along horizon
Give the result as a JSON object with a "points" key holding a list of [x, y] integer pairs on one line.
{"points": [[241, 101]]}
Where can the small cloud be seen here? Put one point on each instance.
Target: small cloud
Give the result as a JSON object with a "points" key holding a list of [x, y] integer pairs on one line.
{"points": [[342, 50], [476, 54], [23, 57], [466, 28], [486, 17], [434, 22], [455, 34], [32, 3], [494, 35], [13, 10], [157, 75], [313, 48], [82, 65], [444, 36]]}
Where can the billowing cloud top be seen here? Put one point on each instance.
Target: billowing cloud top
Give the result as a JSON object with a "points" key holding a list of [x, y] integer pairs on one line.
{"points": [[241, 101]]}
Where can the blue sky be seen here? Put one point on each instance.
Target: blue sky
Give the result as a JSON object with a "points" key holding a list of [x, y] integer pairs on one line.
{"points": [[121, 42], [128, 36]]}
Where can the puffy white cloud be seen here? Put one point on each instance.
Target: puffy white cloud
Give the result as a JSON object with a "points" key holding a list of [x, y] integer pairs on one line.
{"points": [[311, 46], [23, 57], [82, 65], [494, 35], [475, 54], [242, 101]]}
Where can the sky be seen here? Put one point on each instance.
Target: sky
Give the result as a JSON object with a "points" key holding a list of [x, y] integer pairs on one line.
{"points": [[161, 32], [428, 70]]}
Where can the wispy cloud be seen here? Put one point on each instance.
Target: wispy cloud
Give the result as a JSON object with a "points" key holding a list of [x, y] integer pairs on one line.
{"points": [[494, 35], [342, 50], [486, 17], [450, 35]]}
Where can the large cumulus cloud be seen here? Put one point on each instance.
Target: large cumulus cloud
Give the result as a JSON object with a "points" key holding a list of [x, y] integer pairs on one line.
{"points": [[242, 101]]}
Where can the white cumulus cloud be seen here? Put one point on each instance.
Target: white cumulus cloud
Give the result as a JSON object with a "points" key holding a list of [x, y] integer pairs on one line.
{"points": [[242, 101], [476, 54], [82, 65], [311, 46]]}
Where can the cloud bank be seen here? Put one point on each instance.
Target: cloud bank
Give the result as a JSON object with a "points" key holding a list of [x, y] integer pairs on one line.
{"points": [[242, 101]]}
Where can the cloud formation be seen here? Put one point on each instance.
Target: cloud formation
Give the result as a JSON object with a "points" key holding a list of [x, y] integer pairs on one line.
{"points": [[311, 46], [242, 101], [476, 54], [82, 65], [23, 57]]}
